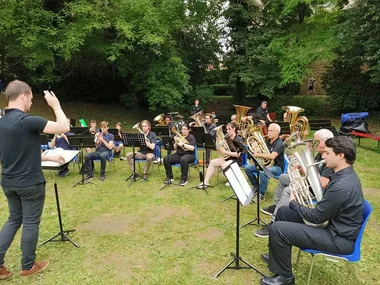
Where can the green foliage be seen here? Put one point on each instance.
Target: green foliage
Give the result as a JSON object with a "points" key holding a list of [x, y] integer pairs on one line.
{"points": [[167, 83], [314, 106], [353, 80]]}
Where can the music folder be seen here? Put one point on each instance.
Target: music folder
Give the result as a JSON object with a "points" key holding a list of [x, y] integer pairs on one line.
{"points": [[238, 183], [68, 155]]}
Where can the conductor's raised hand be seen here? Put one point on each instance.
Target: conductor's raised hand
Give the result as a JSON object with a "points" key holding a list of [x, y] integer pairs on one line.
{"points": [[52, 100]]}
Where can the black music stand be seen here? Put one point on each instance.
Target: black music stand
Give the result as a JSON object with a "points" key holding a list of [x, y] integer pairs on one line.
{"points": [[207, 141], [167, 141], [133, 140], [268, 173], [244, 194], [160, 131], [62, 235], [81, 142]]}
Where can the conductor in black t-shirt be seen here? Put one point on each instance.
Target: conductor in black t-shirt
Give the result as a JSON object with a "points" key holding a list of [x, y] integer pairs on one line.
{"points": [[22, 179], [185, 154]]}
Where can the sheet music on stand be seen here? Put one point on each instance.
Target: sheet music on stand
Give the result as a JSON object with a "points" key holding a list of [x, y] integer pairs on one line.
{"points": [[239, 183], [67, 154], [133, 139]]}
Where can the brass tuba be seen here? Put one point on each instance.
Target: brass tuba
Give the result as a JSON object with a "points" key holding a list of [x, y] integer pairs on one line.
{"points": [[220, 141], [179, 138], [245, 128], [160, 120], [297, 124], [303, 172], [256, 143], [138, 128]]}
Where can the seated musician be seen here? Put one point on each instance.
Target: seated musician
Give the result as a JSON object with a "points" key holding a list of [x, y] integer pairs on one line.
{"points": [[61, 141], [145, 152], [233, 118], [263, 113], [341, 206], [104, 144], [118, 144], [282, 193], [184, 156], [168, 121], [209, 129], [233, 141], [92, 131], [276, 148]]}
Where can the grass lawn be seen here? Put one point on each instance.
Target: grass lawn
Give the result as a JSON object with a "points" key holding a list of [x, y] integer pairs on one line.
{"points": [[143, 235]]}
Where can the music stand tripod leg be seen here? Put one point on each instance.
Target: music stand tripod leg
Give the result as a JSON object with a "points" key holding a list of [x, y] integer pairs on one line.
{"points": [[204, 187], [258, 219], [82, 181], [62, 233], [236, 258]]}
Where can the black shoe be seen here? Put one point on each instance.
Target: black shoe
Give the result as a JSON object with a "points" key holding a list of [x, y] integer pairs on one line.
{"points": [[168, 180], [277, 280], [268, 210], [263, 232], [265, 257], [89, 177], [183, 183], [102, 177]]}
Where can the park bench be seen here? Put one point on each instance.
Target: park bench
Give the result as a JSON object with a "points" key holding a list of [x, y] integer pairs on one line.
{"points": [[367, 136]]}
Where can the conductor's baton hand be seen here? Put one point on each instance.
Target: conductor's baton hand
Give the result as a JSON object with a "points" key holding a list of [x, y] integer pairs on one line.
{"points": [[52, 100]]}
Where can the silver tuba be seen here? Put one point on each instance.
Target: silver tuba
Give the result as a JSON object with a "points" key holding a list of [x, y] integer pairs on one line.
{"points": [[303, 173]]}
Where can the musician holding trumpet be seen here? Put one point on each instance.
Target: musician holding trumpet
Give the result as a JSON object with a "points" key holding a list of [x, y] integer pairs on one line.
{"points": [[185, 146], [104, 144], [145, 152], [341, 205]]}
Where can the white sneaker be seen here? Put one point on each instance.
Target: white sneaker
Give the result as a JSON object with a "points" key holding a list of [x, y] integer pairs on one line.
{"points": [[227, 184]]}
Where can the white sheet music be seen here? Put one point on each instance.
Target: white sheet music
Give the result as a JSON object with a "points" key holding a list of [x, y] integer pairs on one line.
{"points": [[67, 154], [239, 183]]}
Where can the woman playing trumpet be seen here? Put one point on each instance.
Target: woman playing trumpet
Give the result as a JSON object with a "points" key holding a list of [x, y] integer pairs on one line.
{"points": [[229, 153], [145, 152]]}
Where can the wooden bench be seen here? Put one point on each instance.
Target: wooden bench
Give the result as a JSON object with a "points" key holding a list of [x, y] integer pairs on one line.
{"points": [[320, 124], [367, 136]]}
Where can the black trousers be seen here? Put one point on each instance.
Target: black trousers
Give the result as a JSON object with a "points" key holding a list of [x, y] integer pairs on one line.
{"points": [[289, 230], [183, 160]]}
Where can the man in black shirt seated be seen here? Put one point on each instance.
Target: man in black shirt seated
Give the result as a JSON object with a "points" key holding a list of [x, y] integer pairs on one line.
{"points": [[184, 156], [263, 113], [145, 152], [341, 206]]}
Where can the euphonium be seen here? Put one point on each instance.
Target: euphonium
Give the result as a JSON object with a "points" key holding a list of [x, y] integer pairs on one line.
{"points": [[220, 141], [256, 143], [138, 128], [179, 138], [296, 124], [160, 120], [303, 172], [198, 119], [244, 127]]}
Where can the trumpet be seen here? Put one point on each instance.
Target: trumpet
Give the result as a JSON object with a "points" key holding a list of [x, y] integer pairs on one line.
{"points": [[138, 128]]}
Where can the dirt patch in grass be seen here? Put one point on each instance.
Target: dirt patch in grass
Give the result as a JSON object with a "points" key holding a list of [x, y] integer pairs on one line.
{"points": [[118, 224], [371, 191], [180, 244], [210, 234], [110, 224]]}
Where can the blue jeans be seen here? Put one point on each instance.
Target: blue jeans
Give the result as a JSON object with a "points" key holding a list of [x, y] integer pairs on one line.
{"points": [[102, 155], [25, 207], [251, 171]]}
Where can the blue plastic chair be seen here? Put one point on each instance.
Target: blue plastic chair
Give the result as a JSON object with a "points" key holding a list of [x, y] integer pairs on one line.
{"points": [[348, 258]]}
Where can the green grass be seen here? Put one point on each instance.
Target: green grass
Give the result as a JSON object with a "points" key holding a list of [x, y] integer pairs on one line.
{"points": [[144, 235]]}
